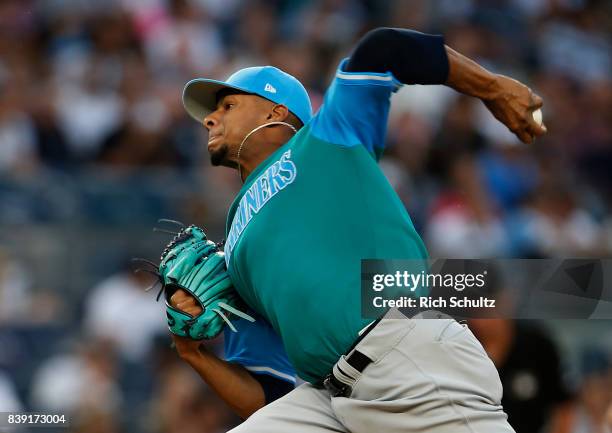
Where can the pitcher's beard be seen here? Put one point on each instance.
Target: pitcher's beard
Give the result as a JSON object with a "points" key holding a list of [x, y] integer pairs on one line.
{"points": [[218, 156]]}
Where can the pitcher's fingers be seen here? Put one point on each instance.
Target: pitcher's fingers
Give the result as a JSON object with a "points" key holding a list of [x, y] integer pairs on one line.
{"points": [[533, 127], [194, 310], [524, 135], [179, 296], [185, 304], [536, 102], [189, 308]]}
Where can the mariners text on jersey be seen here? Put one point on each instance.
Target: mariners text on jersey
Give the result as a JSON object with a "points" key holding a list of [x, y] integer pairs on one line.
{"points": [[274, 179]]}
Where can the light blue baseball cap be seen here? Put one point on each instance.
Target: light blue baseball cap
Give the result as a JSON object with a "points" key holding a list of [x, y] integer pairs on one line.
{"points": [[199, 95]]}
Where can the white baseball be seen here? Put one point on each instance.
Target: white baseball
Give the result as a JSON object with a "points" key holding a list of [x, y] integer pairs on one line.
{"points": [[537, 116]]}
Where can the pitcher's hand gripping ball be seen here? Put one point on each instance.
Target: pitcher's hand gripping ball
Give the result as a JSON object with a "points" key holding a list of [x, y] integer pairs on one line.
{"points": [[195, 264]]}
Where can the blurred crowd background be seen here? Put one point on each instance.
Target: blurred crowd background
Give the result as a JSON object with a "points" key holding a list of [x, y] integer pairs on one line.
{"points": [[95, 148]]}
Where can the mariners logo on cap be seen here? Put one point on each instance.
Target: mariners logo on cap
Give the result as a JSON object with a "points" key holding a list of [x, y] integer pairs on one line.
{"points": [[269, 88]]}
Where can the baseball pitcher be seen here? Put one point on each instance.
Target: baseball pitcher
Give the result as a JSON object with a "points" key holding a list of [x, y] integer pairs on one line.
{"points": [[313, 204]]}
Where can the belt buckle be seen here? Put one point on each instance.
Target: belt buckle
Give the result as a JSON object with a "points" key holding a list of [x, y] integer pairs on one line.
{"points": [[335, 387]]}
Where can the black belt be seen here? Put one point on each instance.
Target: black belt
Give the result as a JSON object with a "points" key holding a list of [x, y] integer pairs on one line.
{"points": [[357, 360]]}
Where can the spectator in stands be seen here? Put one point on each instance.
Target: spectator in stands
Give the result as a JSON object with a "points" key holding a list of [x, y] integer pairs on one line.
{"points": [[79, 381], [9, 400], [119, 310], [593, 408]]}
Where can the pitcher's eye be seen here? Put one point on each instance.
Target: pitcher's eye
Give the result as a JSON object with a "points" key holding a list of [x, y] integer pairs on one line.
{"points": [[228, 105]]}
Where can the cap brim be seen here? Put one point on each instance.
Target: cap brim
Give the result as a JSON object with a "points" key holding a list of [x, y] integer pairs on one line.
{"points": [[200, 96]]}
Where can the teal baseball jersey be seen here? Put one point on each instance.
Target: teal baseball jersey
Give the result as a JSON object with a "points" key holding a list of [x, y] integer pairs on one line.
{"points": [[308, 214]]}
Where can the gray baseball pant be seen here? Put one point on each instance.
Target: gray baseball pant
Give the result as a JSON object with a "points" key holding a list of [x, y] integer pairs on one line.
{"points": [[427, 376]]}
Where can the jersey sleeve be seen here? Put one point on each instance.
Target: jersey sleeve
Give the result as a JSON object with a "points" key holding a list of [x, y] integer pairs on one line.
{"points": [[258, 348], [355, 110]]}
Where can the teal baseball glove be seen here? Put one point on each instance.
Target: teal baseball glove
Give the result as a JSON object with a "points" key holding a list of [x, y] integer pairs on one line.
{"points": [[195, 264]]}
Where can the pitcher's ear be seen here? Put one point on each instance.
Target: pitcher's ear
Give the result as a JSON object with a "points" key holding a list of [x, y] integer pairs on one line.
{"points": [[279, 112]]}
